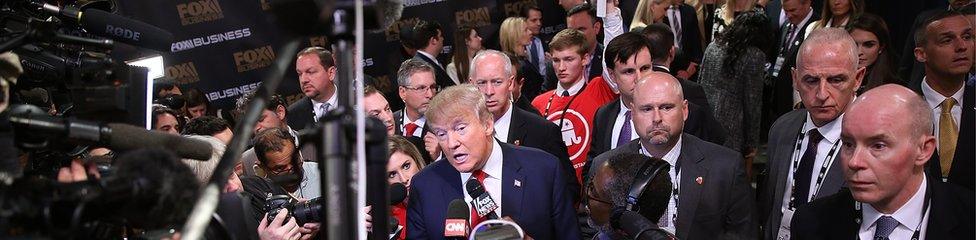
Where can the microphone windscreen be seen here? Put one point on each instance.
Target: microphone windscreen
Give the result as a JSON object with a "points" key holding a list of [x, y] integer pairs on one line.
{"points": [[474, 188], [615, 215], [398, 192], [506, 231], [634, 224], [126, 30], [128, 137], [458, 209]]}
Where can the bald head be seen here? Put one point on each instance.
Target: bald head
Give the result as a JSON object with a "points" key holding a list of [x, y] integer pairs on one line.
{"points": [[829, 43], [659, 111], [897, 102], [826, 74], [658, 83]]}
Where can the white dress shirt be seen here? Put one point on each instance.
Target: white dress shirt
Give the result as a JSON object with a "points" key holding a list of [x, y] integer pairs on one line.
{"points": [[831, 135], [420, 125], [909, 216], [672, 158], [574, 89], [935, 101], [317, 107], [503, 124], [613, 26], [619, 124], [493, 178]]}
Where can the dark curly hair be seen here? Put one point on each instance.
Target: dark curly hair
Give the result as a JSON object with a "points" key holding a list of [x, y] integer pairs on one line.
{"points": [[750, 29]]}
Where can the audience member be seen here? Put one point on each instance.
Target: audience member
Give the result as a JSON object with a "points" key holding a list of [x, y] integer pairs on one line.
{"points": [[204, 169], [537, 49], [909, 68], [527, 184], [561, 106], [518, 99], [515, 38], [430, 42], [612, 186], [778, 93], [649, 12], [492, 75], [280, 159], [569, 4], [163, 86], [871, 34], [726, 15], [837, 14], [316, 69], [945, 45], [197, 105], [209, 126], [803, 143], [583, 18], [732, 78], [417, 87], [375, 105], [682, 20], [166, 120], [628, 59], [890, 196], [273, 116], [718, 205], [467, 43], [405, 162]]}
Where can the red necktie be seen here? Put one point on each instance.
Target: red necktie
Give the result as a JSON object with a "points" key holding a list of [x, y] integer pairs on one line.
{"points": [[475, 219], [410, 128]]}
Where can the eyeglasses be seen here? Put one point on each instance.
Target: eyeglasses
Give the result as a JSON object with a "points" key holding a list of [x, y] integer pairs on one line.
{"points": [[589, 194], [434, 88], [280, 170]]}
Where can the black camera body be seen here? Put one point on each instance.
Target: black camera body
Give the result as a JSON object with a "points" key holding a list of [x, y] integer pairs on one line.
{"points": [[304, 212]]}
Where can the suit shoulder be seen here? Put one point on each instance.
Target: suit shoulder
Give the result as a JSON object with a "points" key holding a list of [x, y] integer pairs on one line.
{"points": [[825, 209], [710, 148], [788, 118], [534, 119], [428, 174], [301, 103], [534, 156]]}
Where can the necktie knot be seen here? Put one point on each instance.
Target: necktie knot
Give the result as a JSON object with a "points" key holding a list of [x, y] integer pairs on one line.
{"points": [[410, 128], [884, 226], [947, 105], [565, 93], [815, 137]]}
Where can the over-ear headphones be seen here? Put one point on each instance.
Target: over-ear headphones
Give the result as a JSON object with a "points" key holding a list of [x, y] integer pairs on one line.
{"points": [[650, 169]]}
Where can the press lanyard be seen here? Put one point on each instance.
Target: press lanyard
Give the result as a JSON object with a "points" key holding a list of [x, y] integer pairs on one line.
{"points": [[918, 228], [674, 186], [571, 99], [827, 162]]}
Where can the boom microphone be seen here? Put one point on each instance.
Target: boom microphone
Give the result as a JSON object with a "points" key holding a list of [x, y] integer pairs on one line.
{"points": [[480, 199], [636, 226], [115, 136], [456, 223], [398, 193], [113, 26]]}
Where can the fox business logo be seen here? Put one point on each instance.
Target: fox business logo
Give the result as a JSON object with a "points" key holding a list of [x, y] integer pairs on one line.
{"points": [[515, 8], [199, 11], [253, 59], [183, 72], [393, 33], [474, 18]]}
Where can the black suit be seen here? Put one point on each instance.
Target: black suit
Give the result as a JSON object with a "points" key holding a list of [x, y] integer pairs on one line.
{"points": [[531, 130], [778, 94], [416, 141], [963, 170], [526, 104], [443, 80], [300, 114], [951, 215], [721, 206], [691, 43]]}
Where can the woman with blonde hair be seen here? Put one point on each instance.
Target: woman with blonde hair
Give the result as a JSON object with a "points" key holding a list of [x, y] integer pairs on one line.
{"points": [[515, 37], [725, 15], [649, 12], [836, 14]]}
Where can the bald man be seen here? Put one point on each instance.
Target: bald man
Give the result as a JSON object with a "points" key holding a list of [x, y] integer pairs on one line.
{"points": [[887, 140], [712, 198]]}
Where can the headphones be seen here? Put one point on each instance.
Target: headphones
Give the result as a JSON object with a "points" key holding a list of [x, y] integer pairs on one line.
{"points": [[648, 171]]}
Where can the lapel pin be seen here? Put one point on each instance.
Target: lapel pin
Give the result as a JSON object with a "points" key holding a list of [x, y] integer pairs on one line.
{"points": [[518, 183], [518, 142], [699, 180]]}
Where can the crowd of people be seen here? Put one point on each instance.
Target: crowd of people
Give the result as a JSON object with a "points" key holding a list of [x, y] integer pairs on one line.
{"points": [[760, 120]]}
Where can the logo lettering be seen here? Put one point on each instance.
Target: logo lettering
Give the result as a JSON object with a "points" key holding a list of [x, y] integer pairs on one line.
{"points": [[183, 72], [122, 32], [199, 11], [515, 8], [455, 228], [211, 39], [253, 59], [477, 17]]}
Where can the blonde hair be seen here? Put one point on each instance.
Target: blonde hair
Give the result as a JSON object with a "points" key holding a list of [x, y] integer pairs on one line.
{"points": [[642, 18], [512, 29], [568, 38], [728, 10], [456, 101], [400, 144]]}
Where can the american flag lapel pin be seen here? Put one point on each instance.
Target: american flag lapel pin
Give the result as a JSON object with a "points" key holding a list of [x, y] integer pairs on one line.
{"points": [[518, 142], [699, 180], [518, 183]]}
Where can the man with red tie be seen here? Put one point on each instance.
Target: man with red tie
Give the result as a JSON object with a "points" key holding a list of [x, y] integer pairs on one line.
{"points": [[417, 87], [525, 184]]}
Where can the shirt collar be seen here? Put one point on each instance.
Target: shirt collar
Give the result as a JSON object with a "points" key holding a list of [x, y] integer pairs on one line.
{"points": [[830, 131], [431, 57], [671, 157], [623, 107], [908, 215], [573, 90], [935, 98], [492, 168], [419, 122], [505, 120], [332, 101]]}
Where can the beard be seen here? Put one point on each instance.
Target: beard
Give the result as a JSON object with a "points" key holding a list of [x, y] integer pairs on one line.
{"points": [[660, 135]]}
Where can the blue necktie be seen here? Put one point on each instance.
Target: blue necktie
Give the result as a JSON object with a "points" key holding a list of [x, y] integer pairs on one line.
{"points": [[624, 137], [884, 226]]}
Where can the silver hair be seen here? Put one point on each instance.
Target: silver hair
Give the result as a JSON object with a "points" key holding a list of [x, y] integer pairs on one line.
{"points": [[410, 67], [829, 36], [491, 52]]}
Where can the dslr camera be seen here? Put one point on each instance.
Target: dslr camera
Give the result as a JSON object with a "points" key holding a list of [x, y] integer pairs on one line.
{"points": [[304, 212]]}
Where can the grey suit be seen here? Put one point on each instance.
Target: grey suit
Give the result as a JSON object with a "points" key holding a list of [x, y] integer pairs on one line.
{"points": [[721, 205], [782, 143]]}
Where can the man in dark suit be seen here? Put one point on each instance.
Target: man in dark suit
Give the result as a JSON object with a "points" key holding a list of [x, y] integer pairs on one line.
{"points": [[417, 87], [492, 74], [430, 38], [583, 18], [778, 94], [660, 35], [529, 185], [804, 143], [712, 199], [909, 68], [316, 72], [683, 22], [949, 97], [890, 196]]}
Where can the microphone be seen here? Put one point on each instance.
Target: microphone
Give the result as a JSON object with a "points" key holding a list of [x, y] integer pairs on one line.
{"points": [[456, 223], [498, 230], [395, 228], [113, 26], [480, 199], [636, 226], [398, 193], [116, 136]]}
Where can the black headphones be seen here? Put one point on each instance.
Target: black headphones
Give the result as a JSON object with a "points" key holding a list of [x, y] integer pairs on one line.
{"points": [[648, 171]]}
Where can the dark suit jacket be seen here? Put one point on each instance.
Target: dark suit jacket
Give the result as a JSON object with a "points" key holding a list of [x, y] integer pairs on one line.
{"points": [[691, 41], [779, 95], [540, 204], [832, 217], [693, 91], [531, 130], [963, 170], [782, 143], [443, 80], [416, 141], [300, 114], [526, 104], [721, 207], [398, 124]]}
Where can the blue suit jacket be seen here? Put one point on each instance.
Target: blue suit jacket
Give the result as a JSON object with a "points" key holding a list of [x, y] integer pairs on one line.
{"points": [[541, 204]]}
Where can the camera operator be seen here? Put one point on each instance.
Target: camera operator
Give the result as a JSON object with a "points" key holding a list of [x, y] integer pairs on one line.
{"points": [[611, 184]]}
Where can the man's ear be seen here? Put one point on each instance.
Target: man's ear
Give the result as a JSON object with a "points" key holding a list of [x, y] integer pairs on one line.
{"points": [[281, 111]]}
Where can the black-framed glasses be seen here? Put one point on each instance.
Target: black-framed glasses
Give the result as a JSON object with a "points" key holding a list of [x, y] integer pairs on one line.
{"points": [[589, 194], [434, 88]]}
